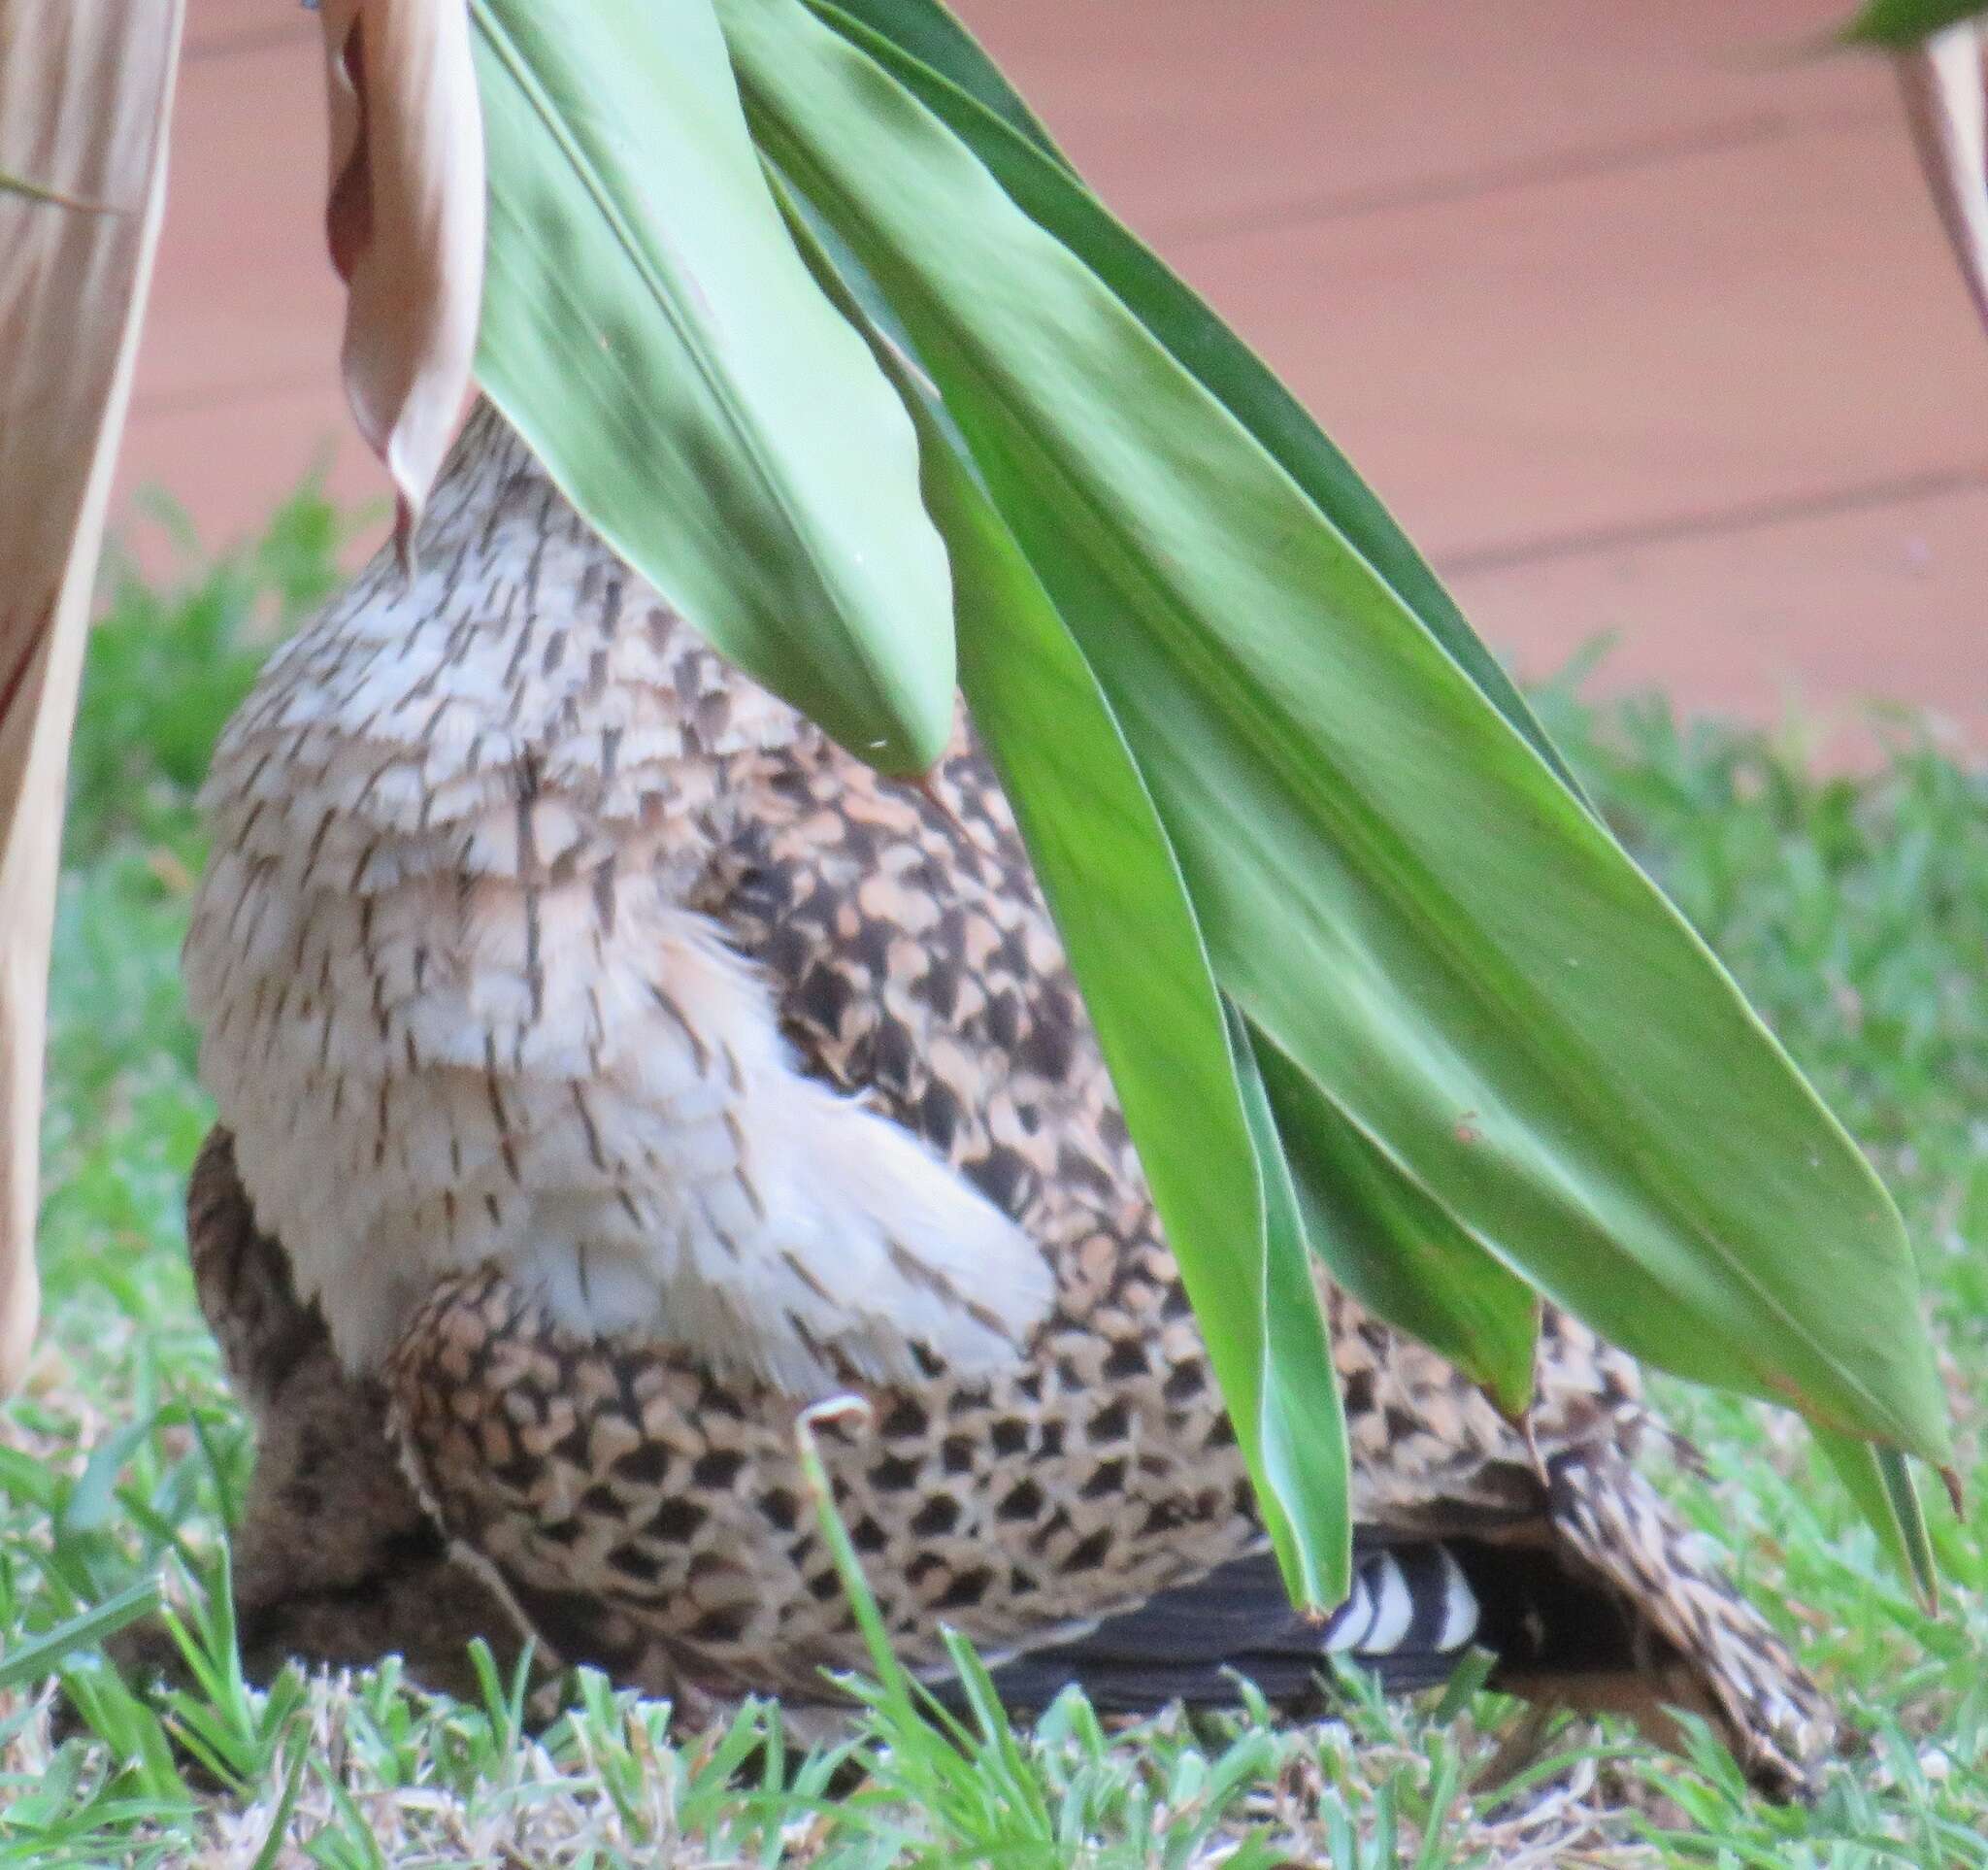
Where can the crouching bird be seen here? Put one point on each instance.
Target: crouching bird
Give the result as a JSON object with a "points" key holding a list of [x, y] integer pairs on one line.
{"points": [[609, 1066]]}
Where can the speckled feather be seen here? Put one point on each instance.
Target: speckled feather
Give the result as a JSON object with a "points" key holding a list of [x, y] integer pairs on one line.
{"points": [[604, 1421], [459, 1009]]}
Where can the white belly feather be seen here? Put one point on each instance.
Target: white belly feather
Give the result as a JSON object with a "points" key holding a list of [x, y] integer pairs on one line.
{"points": [[454, 1010]]}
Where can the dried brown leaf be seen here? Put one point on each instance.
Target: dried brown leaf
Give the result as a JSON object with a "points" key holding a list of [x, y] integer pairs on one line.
{"points": [[405, 221], [1941, 82], [86, 92]]}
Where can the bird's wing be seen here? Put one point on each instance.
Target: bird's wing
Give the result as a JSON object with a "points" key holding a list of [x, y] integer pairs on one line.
{"points": [[913, 963]]}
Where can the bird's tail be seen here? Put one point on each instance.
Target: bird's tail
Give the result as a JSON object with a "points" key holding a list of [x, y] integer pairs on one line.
{"points": [[1604, 1603], [1697, 1644]]}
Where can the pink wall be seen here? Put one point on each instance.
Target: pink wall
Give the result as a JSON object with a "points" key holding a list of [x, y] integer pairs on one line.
{"points": [[1636, 314]]}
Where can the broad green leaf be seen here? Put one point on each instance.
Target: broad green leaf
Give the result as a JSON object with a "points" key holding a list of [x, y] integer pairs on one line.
{"points": [[651, 331], [1102, 858], [1904, 22], [1401, 1253], [953, 79], [1109, 874], [1392, 884], [1880, 1480], [925, 31], [1394, 1248]]}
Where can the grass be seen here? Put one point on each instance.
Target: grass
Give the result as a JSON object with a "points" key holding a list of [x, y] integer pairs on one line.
{"points": [[1855, 911]]}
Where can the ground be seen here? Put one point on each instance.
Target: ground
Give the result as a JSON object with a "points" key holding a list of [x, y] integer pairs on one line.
{"points": [[1854, 910]]}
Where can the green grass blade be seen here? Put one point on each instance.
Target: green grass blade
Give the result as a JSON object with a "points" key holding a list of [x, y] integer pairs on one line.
{"points": [[36, 1656], [1392, 883], [650, 330], [279, 1833], [31, 190], [892, 1678]]}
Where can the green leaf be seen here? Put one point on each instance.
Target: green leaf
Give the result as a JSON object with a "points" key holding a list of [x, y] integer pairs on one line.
{"points": [[88, 1503], [1880, 1480], [1215, 1172], [1401, 1253], [31, 1658], [650, 330], [1391, 882], [1111, 881], [959, 85], [1904, 22], [1301, 1425], [925, 32]]}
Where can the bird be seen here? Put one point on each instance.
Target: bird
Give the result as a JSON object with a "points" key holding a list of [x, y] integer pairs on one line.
{"points": [[611, 1070]]}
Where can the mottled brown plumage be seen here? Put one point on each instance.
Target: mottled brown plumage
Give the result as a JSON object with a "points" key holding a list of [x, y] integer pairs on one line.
{"points": [[621, 1471]]}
